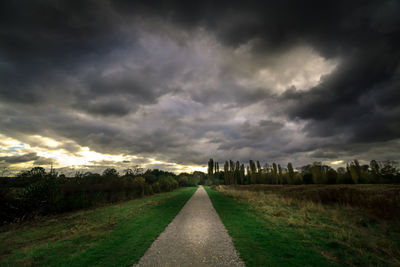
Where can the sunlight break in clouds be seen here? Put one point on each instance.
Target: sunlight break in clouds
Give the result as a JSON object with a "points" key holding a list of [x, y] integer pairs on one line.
{"points": [[46, 151], [301, 68]]}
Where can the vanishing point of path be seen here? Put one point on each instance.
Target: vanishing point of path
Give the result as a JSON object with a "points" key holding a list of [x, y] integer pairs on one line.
{"points": [[196, 237]]}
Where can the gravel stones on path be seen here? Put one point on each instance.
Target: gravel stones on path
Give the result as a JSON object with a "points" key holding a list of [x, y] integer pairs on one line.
{"points": [[196, 237]]}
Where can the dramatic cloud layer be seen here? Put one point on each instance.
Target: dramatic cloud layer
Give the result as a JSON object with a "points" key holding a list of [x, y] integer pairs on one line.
{"points": [[171, 84]]}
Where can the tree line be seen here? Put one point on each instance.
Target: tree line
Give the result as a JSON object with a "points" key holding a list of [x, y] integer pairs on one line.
{"points": [[38, 192], [315, 173]]}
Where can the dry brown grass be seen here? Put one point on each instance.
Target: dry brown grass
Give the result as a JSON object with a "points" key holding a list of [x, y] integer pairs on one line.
{"points": [[382, 200], [345, 227]]}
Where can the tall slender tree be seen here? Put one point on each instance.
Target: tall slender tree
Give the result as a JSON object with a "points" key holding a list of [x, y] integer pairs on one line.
{"points": [[242, 177], [275, 173], [253, 172], [280, 181], [248, 175], [258, 167], [210, 167], [290, 173], [226, 172]]}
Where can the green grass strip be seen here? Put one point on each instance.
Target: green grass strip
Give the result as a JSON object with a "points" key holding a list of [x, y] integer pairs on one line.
{"points": [[260, 243], [133, 226]]}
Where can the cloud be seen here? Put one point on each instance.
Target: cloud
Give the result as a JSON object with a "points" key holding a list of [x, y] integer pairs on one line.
{"points": [[26, 158], [180, 83]]}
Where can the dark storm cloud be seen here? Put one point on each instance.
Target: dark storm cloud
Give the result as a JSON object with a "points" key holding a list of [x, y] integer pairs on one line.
{"points": [[25, 158], [141, 78], [19, 158]]}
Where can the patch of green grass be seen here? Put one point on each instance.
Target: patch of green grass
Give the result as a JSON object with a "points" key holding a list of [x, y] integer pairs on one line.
{"points": [[113, 235], [261, 243]]}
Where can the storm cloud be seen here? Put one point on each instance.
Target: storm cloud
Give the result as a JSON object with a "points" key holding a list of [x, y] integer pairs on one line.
{"points": [[181, 82], [26, 158]]}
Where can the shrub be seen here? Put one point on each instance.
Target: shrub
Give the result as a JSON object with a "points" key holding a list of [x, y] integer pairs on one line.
{"points": [[156, 187], [139, 184], [44, 196]]}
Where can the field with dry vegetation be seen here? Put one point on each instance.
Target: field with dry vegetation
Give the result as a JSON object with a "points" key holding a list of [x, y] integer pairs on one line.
{"points": [[382, 200], [356, 225]]}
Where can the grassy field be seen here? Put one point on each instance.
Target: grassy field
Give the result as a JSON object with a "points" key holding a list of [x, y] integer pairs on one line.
{"points": [[270, 229], [112, 235], [380, 200]]}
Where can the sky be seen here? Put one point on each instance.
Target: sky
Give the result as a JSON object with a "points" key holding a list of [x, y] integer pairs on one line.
{"points": [[85, 85]]}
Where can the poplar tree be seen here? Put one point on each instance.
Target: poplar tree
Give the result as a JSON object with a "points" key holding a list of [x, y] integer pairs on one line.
{"points": [[226, 172], [280, 173], [242, 174], [248, 174], [290, 173], [231, 171], [236, 175], [210, 167], [252, 171], [275, 173], [258, 167]]}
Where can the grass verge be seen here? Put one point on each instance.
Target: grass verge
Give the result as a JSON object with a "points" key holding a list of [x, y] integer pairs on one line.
{"points": [[269, 229], [112, 235]]}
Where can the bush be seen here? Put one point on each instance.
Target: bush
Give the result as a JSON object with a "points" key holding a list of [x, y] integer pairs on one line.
{"points": [[168, 184], [156, 187], [43, 196], [10, 206], [139, 185]]}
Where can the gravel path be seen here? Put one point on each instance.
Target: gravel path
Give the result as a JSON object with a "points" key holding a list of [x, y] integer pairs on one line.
{"points": [[196, 237]]}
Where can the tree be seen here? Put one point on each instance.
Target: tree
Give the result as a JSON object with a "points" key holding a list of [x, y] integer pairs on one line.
{"points": [[139, 183], [290, 173], [390, 172], [34, 173], [317, 173], [258, 167], [110, 173], [216, 168], [38, 172], [248, 175], [376, 172], [226, 172], [355, 171], [343, 175], [331, 176], [275, 173], [210, 167], [280, 174], [242, 177], [134, 171], [128, 172], [298, 178], [252, 172], [236, 175]]}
